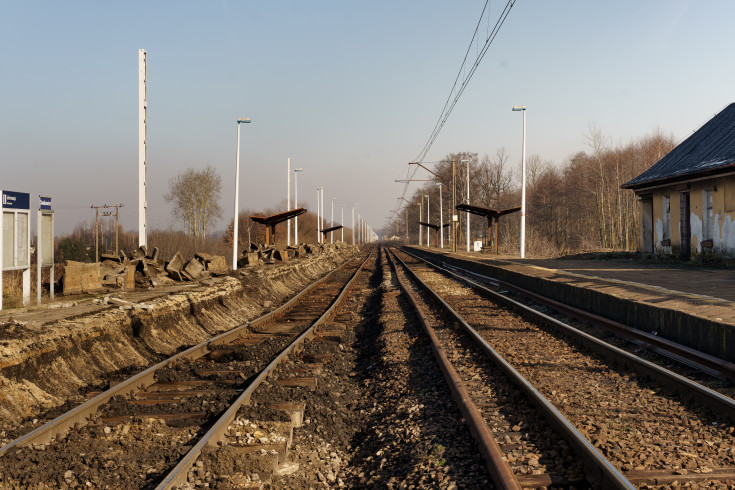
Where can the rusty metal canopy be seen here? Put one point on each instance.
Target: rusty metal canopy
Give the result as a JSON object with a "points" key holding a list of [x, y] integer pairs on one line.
{"points": [[433, 226], [278, 218], [334, 228], [486, 212]]}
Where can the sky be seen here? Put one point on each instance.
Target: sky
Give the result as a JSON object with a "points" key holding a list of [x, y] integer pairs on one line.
{"points": [[350, 90]]}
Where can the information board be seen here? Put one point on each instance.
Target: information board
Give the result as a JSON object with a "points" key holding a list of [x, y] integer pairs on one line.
{"points": [[47, 239], [16, 230], [15, 238]]}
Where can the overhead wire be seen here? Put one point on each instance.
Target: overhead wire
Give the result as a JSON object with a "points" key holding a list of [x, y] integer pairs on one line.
{"points": [[450, 103]]}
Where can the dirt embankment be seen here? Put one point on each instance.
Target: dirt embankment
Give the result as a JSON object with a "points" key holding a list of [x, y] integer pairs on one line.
{"points": [[44, 364]]}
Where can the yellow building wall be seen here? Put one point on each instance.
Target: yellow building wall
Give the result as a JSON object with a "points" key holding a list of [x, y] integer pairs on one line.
{"points": [[723, 210]]}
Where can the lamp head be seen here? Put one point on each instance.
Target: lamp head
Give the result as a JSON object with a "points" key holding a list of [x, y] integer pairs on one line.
{"points": [[245, 120], [298, 170], [519, 108]]}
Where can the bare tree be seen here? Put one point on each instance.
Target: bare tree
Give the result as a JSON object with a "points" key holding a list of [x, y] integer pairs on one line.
{"points": [[195, 195], [495, 179]]}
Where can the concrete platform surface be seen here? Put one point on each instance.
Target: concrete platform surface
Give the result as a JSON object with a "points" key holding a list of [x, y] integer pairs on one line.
{"points": [[694, 306], [701, 291]]}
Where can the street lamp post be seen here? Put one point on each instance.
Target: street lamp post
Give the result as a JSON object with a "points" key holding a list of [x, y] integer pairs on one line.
{"points": [[331, 225], [353, 224], [468, 202], [296, 203], [441, 215], [237, 195], [318, 228], [428, 220], [454, 206], [288, 201], [421, 212], [523, 183], [322, 221], [343, 224]]}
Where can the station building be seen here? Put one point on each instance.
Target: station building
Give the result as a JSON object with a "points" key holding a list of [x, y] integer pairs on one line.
{"points": [[688, 197]]}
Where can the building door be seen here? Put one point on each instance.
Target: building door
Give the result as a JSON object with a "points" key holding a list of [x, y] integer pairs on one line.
{"points": [[685, 228], [647, 219]]}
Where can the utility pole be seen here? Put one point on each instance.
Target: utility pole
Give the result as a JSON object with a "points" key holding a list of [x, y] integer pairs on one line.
{"points": [[143, 148], [96, 227], [468, 203], [428, 220], [331, 225], [318, 219], [454, 206], [288, 201], [406, 225], [96, 233]]}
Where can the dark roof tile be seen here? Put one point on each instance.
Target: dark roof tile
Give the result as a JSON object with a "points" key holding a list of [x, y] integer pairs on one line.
{"points": [[710, 148]]}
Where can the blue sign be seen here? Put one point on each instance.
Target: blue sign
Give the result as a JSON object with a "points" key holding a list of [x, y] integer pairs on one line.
{"points": [[45, 202], [16, 200]]}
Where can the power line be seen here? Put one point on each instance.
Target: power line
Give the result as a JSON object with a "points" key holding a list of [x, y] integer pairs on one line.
{"points": [[457, 92], [450, 103]]}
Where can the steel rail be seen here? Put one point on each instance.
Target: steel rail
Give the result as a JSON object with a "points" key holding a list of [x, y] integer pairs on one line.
{"points": [[82, 414], [684, 386], [597, 468], [179, 474], [686, 355], [499, 469]]}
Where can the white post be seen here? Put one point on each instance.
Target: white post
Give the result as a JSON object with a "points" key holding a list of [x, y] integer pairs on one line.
{"points": [[237, 199], [523, 183], [523, 191], [331, 225], [343, 224], [323, 219], [296, 204], [318, 219], [236, 221], [421, 211], [51, 272], [428, 220], [468, 203], [288, 202], [441, 215], [353, 229], [142, 148], [39, 254]]}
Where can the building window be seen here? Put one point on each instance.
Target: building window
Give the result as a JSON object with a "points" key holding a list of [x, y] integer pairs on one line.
{"points": [[707, 218], [666, 204]]}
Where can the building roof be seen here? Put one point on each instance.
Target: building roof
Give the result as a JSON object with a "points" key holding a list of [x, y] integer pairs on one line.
{"points": [[710, 150]]}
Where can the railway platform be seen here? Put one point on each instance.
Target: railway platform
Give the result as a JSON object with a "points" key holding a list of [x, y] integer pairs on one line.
{"points": [[686, 304]]}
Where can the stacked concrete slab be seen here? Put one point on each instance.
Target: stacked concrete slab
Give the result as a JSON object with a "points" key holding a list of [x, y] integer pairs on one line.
{"points": [[268, 254]]}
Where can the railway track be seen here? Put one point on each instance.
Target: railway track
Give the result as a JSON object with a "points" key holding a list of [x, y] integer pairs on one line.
{"points": [[149, 431], [628, 422]]}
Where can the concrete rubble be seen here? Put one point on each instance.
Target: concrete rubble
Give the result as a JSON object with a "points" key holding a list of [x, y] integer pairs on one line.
{"points": [[269, 254], [143, 269]]}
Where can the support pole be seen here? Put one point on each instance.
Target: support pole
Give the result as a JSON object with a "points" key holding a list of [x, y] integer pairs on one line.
{"points": [[454, 206], [428, 220], [288, 202], [96, 234], [468, 203], [142, 148], [236, 221], [318, 220]]}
